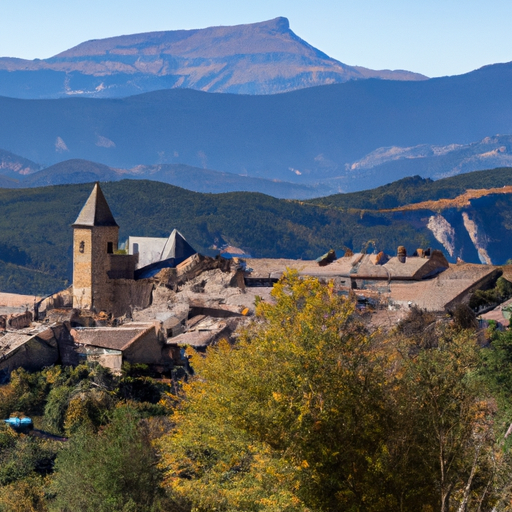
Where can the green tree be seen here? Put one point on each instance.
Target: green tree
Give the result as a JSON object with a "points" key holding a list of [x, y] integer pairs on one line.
{"points": [[447, 418], [112, 471]]}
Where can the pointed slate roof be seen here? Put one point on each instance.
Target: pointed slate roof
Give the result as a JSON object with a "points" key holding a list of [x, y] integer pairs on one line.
{"points": [[95, 211], [177, 247]]}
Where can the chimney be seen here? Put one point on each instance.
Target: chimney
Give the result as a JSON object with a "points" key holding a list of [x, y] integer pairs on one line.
{"points": [[401, 254]]}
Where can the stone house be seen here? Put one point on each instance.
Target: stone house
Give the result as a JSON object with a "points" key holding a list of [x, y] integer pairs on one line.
{"points": [[31, 350], [135, 343]]}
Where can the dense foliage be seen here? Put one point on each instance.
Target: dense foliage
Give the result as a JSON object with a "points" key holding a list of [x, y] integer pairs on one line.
{"points": [[308, 411], [311, 412], [111, 421]]}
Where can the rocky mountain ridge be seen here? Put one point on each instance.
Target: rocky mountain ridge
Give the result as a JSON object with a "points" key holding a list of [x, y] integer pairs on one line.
{"points": [[258, 58], [428, 161]]}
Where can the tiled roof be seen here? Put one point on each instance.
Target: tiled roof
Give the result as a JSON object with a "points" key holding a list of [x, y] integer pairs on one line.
{"points": [[357, 266], [109, 337], [436, 294], [10, 341], [95, 211]]}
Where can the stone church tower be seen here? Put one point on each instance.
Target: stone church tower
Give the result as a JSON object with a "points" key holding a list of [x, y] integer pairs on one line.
{"points": [[95, 238]]}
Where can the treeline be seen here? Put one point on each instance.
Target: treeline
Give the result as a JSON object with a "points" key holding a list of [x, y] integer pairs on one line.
{"points": [[416, 189], [308, 411]]}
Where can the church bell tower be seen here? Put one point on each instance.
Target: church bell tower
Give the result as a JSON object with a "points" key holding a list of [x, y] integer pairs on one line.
{"points": [[95, 237]]}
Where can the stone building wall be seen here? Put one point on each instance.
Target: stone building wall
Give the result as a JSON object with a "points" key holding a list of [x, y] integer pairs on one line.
{"points": [[128, 295], [34, 354], [105, 240], [148, 349], [82, 268], [122, 266], [92, 247]]}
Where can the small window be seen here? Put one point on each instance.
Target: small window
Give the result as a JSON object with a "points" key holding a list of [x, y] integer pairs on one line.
{"points": [[110, 247], [135, 248], [81, 248]]}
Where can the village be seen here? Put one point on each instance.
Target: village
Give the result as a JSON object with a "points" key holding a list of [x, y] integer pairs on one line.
{"points": [[146, 302]]}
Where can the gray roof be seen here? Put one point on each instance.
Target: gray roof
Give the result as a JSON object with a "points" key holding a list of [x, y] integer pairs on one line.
{"points": [[95, 211], [115, 338], [176, 247]]}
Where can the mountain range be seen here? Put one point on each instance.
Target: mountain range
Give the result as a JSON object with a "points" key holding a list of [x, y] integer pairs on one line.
{"points": [[305, 136], [346, 129], [18, 172], [259, 58]]}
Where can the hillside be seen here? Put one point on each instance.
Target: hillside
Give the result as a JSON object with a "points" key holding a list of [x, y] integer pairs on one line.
{"points": [[35, 232], [185, 176], [303, 136], [259, 58], [416, 189]]}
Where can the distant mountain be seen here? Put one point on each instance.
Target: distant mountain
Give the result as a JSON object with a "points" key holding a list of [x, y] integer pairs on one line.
{"points": [[426, 160], [208, 181], [72, 171], [260, 58], [302, 136], [185, 176], [15, 166]]}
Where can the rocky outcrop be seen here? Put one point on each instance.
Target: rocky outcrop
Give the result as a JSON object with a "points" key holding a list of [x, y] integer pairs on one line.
{"points": [[478, 238], [443, 232]]}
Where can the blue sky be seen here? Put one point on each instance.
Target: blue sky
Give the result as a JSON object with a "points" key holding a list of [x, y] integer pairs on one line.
{"points": [[435, 37]]}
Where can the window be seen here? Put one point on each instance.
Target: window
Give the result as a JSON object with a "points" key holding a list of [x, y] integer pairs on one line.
{"points": [[81, 247], [110, 247]]}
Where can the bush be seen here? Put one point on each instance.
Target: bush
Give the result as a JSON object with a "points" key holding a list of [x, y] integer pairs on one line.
{"points": [[112, 471]]}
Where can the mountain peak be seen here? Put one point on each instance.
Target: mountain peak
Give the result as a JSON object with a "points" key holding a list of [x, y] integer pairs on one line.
{"points": [[258, 58]]}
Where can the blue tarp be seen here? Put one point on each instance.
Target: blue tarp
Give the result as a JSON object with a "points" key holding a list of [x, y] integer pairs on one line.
{"points": [[19, 423]]}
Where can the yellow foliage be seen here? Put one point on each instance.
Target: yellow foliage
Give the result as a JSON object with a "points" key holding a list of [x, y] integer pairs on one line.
{"points": [[309, 411], [23, 496]]}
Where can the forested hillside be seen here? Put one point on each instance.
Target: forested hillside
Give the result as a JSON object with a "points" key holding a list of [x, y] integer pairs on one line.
{"points": [[36, 235]]}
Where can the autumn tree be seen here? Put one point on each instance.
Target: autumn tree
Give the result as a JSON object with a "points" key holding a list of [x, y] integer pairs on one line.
{"points": [[292, 417], [308, 411]]}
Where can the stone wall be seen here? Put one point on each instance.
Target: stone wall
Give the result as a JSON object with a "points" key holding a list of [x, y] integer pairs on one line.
{"points": [[19, 321], [122, 266], [92, 247], [82, 268], [101, 290], [34, 354], [128, 295], [148, 349]]}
